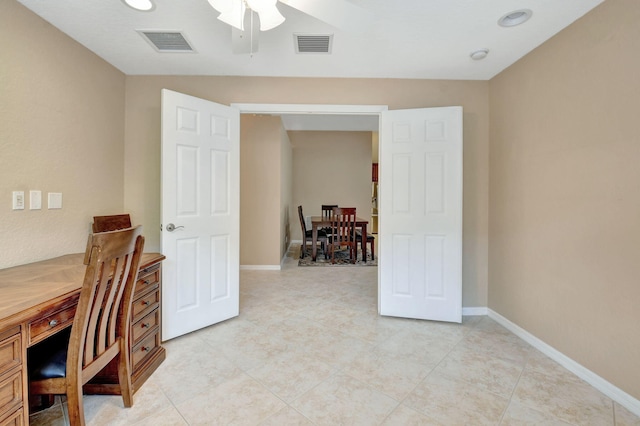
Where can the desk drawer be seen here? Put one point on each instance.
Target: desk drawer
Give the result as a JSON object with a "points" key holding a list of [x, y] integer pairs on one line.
{"points": [[50, 324], [15, 419], [144, 349], [145, 304], [10, 393], [147, 278], [10, 350], [143, 326]]}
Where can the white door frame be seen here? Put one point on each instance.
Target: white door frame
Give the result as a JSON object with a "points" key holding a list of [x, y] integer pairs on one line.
{"points": [[318, 109], [310, 109]]}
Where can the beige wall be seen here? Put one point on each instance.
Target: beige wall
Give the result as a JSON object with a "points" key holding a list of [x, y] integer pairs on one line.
{"points": [[61, 130], [260, 190], [375, 146], [564, 198], [142, 139], [288, 212], [331, 168]]}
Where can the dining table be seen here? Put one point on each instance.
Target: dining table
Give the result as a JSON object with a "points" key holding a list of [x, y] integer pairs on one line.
{"points": [[324, 222]]}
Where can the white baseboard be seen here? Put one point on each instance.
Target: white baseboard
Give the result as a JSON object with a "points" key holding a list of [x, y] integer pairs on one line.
{"points": [[261, 267], [613, 392], [474, 311]]}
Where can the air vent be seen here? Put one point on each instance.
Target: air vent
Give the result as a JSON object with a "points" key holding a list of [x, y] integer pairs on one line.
{"points": [[167, 41], [313, 43]]}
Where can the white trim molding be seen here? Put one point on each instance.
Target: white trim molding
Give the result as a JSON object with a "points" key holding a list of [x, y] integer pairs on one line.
{"points": [[610, 390], [260, 267], [309, 109], [474, 311]]}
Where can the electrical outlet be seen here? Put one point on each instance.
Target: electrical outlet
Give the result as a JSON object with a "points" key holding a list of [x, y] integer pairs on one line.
{"points": [[18, 200]]}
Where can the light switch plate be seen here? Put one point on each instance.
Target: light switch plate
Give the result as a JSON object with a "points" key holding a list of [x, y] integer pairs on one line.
{"points": [[18, 200], [35, 200], [55, 200]]}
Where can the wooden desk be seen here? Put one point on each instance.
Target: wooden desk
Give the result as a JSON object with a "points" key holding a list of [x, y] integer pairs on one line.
{"points": [[321, 222], [39, 299]]}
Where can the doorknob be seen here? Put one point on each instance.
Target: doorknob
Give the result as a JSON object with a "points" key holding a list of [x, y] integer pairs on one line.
{"points": [[171, 227]]}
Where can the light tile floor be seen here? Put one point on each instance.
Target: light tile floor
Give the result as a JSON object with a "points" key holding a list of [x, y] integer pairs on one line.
{"points": [[309, 348]]}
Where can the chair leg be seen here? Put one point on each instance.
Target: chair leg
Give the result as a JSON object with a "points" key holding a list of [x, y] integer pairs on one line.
{"points": [[304, 248], [124, 377], [74, 404], [373, 250]]}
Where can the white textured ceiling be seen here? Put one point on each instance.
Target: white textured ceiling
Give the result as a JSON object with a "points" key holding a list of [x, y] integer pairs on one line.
{"points": [[371, 38], [425, 39]]}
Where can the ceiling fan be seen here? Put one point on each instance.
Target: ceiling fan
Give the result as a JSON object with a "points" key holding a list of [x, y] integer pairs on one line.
{"points": [[240, 15]]}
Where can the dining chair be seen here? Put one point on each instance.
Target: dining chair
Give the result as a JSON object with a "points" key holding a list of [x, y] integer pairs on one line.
{"points": [[307, 236], [66, 361], [343, 232], [327, 211], [371, 240]]}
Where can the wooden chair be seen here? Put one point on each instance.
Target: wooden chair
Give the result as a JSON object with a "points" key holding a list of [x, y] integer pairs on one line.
{"points": [[307, 236], [327, 211], [343, 232], [63, 363], [370, 240], [105, 224], [111, 223]]}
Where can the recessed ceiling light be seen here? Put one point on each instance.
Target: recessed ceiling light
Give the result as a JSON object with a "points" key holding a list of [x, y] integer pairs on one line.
{"points": [[479, 54], [514, 18], [142, 5]]}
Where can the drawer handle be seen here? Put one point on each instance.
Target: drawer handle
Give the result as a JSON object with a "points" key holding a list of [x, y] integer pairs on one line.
{"points": [[53, 323], [144, 325], [145, 349], [146, 302], [146, 282]]}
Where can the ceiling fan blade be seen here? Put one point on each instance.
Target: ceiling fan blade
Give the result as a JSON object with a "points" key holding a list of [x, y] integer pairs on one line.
{"points": [[337, 13]]}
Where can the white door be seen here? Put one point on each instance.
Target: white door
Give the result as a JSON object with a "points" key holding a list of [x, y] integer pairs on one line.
{"points": [[420, 229], [201, 199]]}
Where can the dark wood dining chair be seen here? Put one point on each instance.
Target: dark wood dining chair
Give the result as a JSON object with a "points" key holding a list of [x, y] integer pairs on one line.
{"points": [[371, 240], [307, 236], [327, 211], [343, 232], [66, 361]]}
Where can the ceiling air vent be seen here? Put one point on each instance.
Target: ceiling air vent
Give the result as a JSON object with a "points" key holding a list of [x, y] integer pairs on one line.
{"points": [[167, 41], [313, 43]]}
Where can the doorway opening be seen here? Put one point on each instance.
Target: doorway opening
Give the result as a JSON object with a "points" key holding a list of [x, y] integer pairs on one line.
{"points": [[297, 120]]}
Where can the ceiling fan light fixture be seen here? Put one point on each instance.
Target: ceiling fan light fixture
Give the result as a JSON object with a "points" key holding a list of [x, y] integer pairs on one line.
{"points": [[232, 12], [270, 19], [514, 18], [141, 5]]}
